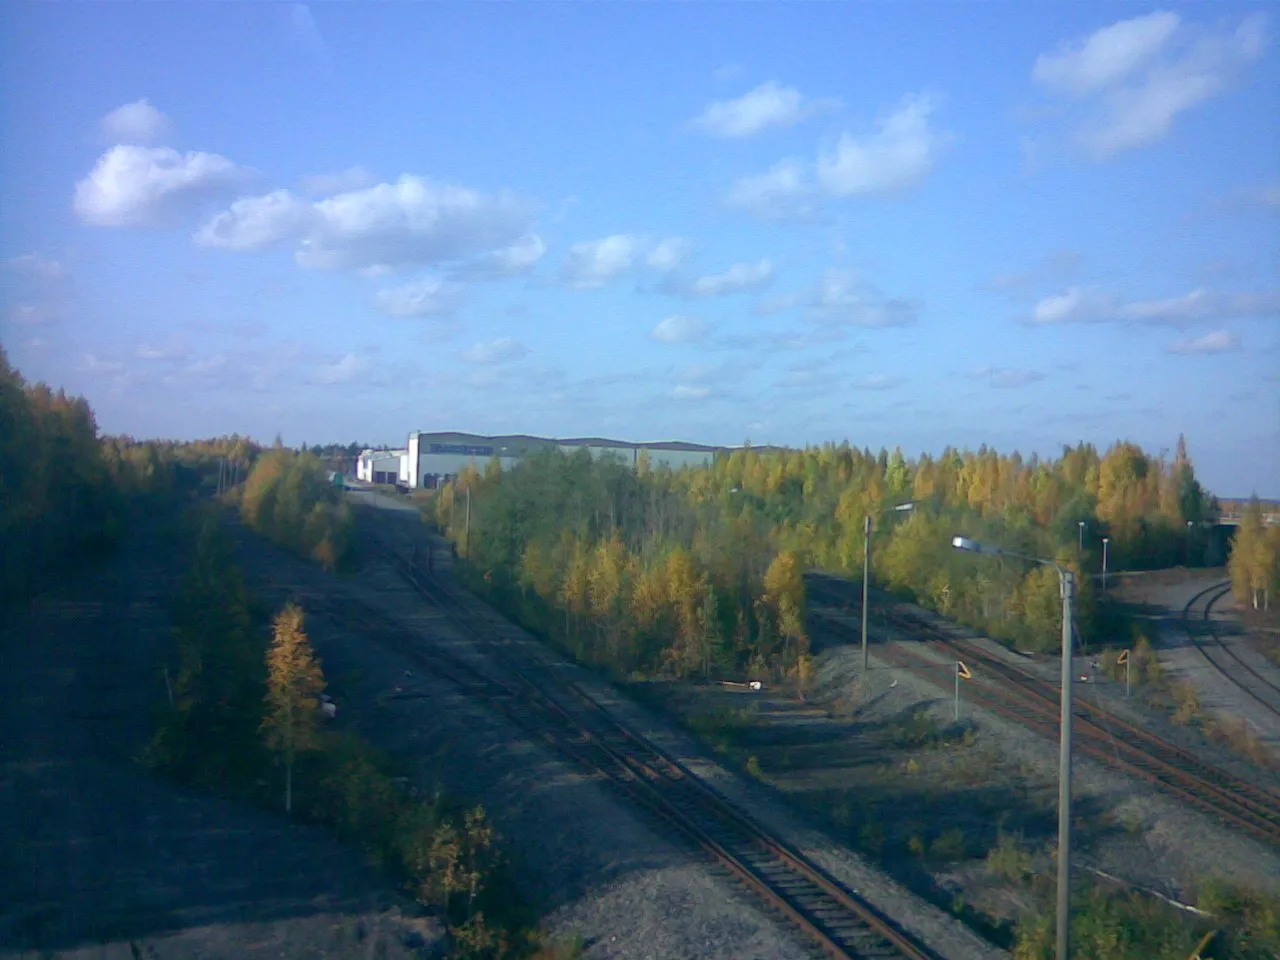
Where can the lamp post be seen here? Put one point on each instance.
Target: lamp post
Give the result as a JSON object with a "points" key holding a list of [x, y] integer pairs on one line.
{"points": [[1067, 581], [1105, 541], [1080, 548], [866, 579], [1190, 524]]}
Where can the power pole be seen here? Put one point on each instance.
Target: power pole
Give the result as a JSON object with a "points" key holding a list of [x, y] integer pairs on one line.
{"points": [[466, 542], [1064, 771], [866, 577]]}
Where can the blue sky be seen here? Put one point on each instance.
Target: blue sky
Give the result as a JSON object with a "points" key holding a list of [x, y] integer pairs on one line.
{"points": [[910, 224]]}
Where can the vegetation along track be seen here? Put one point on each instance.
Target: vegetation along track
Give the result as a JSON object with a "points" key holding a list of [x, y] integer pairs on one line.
{"points": [[1034, 703], [1200, 631], [558, 712]]}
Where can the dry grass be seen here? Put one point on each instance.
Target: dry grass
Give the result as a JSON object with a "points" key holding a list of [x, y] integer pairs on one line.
{"points": [[1236, 733], [1187, 703]]}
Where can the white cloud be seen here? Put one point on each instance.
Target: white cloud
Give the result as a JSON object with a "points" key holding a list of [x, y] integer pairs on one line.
{"points": [[595, 262], [679, 329], [668, 254], [34, 265], [133, 186], [1083, 305], [1138, 75], [1006, 378], [172, 349], [253, 223], [429, 297], [739, 278], [92, 363], [207, 368], [687, 392], [511, 261], [842, 297], [782, 193], [502, 350], [1107, 56], [878, 381], [410, 222], [1219, 341], [342, 371], [138, 123], [897, 156], [344, 181], [768, 105], [32, 315]]}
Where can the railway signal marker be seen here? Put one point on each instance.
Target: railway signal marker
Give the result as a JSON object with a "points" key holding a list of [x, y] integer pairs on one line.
{"points": [[1124, 658], [961, 671]]}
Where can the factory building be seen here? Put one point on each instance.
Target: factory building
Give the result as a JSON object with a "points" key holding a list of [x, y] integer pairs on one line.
{"points": [[382, 466], [433, 458]]}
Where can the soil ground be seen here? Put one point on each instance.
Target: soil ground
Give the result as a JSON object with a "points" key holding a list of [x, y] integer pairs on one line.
{"points": [[101, 858]]}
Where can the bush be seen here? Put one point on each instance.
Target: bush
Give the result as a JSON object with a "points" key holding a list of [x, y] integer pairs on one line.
{"points": [[1009, 859]]}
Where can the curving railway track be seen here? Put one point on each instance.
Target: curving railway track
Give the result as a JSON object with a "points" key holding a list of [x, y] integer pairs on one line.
{"points": [[1007, 690], [556, 711], [1221, 655]]}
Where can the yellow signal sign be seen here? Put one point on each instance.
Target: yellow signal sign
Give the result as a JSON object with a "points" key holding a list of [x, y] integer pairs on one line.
{"points": [[1124, 657], [962, 670]]}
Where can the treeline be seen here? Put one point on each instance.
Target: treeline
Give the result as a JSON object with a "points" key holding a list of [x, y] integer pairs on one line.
{"points": [[66, 494], [655, 570], [289, 498], [242, 716], [1255, 559]]}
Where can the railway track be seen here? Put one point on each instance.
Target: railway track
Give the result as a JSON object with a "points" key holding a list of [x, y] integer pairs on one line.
{"points": [[1012, 692], [1220, 654], [556, 711]]}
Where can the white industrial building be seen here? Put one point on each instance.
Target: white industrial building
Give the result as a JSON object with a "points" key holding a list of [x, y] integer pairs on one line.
{"points": [[383, 466], [433, 458]]}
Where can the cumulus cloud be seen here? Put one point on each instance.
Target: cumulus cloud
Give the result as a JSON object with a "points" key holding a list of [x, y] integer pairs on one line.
{"points": [[31, 315], [137, 123], [413, 221], [345, 370], [1136, 76], [133, 186], [679, 329], [511, 261], [92, 363], [1085, 305], [36, 266], [768, 105], [878, 381], [668, 254], [898, 155], [685, 391], [1107, 56], [782, 193], [1219, 341], [842, 297], [595, 262], [429, 297], [1006, 378], [344, 181], [502, 350], [172, 349], [739, 278]]}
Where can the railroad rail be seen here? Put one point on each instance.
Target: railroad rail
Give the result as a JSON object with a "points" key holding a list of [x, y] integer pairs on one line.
{"points": [[1220, 654], [555, 710], [1008, 690]]}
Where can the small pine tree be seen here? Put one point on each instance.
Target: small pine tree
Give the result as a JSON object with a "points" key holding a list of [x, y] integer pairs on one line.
{"points": [[294, 684]]}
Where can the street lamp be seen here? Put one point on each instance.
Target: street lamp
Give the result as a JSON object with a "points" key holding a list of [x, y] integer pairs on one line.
{"points": [[1105, 541], [1067, 580], [866, 578], [1190, 524], [1080, 549]]}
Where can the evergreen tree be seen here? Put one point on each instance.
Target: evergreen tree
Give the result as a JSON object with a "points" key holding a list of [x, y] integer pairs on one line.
{"points": [[294, 684]]}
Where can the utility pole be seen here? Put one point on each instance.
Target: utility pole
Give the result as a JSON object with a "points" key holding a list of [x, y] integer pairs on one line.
{"points": [[466, 542], [1105, 541], [866, 578], [1064, 771]]}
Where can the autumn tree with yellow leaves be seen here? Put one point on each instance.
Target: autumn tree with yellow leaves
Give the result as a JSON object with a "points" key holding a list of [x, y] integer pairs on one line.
{"points": [[294, 685]]}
